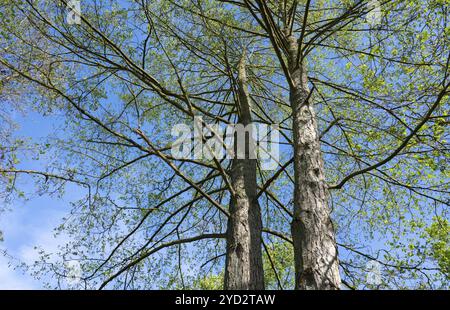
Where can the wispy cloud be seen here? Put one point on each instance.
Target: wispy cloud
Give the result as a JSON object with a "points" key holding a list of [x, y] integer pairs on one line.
{"points": [[11, 279], [24, 229]]}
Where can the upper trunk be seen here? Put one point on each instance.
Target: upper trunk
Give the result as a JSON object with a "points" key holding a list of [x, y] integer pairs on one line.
{"points": [[315, 252], [244, 266]]}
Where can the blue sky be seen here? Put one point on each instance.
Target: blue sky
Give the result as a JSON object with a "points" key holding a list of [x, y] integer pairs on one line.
{"points": [[29, 223]]}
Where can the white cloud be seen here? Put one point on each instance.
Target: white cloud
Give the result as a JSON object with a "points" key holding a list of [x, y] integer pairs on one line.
{"points": [[42, 239], [11, 279], [23, 229]]}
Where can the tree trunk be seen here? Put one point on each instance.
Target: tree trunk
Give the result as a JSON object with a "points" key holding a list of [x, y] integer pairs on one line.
{"points": [[315, 251], [244, 266]]}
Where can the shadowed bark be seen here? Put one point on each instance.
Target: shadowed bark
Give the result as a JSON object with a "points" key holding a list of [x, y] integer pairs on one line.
{"points": [[244, 266]]}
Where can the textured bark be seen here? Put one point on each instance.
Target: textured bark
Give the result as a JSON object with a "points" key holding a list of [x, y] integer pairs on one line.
{"points": [[315, 251], [244, 266]]}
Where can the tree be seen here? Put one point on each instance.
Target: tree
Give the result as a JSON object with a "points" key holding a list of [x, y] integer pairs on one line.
{"points": [[362, 108], [244, 265]]}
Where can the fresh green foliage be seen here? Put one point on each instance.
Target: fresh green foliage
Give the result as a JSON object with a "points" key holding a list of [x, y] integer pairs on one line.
{"points": [[382, 96]]}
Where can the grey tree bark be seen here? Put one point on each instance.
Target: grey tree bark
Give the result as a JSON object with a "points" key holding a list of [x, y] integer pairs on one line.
{"points": [[244, 265], [315, 251]]}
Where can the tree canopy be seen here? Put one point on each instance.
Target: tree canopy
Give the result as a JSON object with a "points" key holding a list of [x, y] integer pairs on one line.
{"points": [[378, 78]]}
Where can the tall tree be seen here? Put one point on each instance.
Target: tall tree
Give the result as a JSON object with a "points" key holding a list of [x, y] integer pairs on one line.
{"points": [[313, 236], [362, 105], [244, 265]]}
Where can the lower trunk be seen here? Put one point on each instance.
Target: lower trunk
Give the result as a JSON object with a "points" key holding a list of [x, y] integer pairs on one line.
{"points": [[315, 251], [244, 266]]}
